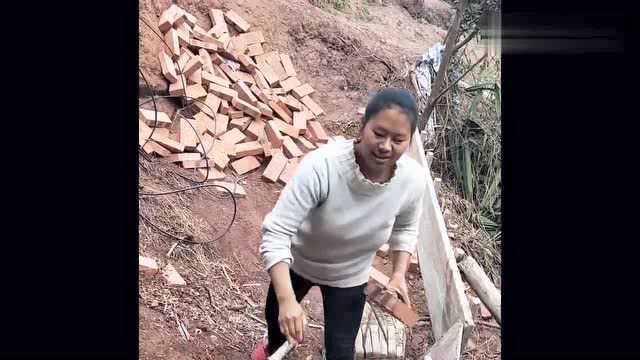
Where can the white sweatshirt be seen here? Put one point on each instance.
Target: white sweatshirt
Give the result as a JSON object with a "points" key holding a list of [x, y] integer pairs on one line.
{"points": [[330, 220]]}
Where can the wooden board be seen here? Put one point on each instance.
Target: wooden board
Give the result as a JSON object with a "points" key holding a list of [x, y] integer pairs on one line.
{"points": [[448, 347], [441, 278]]}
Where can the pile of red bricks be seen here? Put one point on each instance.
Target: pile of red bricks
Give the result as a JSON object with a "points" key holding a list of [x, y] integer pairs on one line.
{"points": [[256, 107]]}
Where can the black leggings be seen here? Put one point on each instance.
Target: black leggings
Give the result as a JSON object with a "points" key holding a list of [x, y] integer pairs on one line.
{"points": [[342, 315]]}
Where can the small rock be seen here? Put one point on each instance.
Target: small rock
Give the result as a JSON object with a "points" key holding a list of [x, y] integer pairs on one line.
{"points": [[213, 340], [154, 304]]}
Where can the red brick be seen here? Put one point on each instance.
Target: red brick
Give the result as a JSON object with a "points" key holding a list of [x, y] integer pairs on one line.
{"points": [[222, 92], [212, 173], [288, 65], [244, 93], [255, 50], [255, 130], [202, 35], [245, 77], [383, 251], [166, 20], [147, 265], [149, 117], [168, 67], [288, 172], [290, 83], [268, 148], [224, 107], [260, 94], [280, 111], [216, 59], [195, 164], [308, 114], [273, 134], [302, 91], [269, 74], [235, 113], [299, 122], [172, 276], [315, 108], [196, 91], [290, 148], [265, 110], [247, 62], [183, 157], [211, 104], [160, 133], [249, 148], [286, 128], [275, 167], [194, 64], [171, 38], [219, 25], [207, 64], [246, 107], [183, 36], [254, 37], [245, 164], [235, 46], [292, 103], [317, 133], [240, 123], [219, 157], [143, 132], [187, 134], [305, 144], [182, 61], [231, 74], [195, 78], [153, 148], [171, 145], [190, 19], [209, 78], [260, 80], [205, 143], [233, 136], [207, 45], [403, 312], [237, 21]]}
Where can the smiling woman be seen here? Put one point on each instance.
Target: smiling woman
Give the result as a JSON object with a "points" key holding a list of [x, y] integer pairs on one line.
{"points": [[346, 200]]}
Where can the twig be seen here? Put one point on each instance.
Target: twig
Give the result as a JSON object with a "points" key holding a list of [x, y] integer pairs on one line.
{"points": [[240, 264], [458, 79], [488, 324], [465, 41], [316, 326], [211, 299], [172, 248], [257, 319], [224, 270]]}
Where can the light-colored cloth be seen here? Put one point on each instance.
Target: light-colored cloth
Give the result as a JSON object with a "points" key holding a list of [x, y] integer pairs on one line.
{"points": [[330, 220]]}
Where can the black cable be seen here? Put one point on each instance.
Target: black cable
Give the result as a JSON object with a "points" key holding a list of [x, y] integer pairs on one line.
{"points": [[189, 240]]}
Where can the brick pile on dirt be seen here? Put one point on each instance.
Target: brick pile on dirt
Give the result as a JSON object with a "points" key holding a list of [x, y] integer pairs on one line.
{"points": [[245, 107]]}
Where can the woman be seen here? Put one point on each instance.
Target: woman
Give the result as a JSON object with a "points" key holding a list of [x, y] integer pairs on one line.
{"points": [[346, 200]]}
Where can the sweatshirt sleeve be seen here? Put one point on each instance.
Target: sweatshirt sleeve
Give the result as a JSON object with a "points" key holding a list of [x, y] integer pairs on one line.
{"points": [[404, 234], [304, 192]]}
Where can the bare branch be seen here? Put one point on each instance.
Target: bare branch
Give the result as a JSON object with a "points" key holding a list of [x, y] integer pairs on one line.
{"points": [[465, 41], [458, 79]]}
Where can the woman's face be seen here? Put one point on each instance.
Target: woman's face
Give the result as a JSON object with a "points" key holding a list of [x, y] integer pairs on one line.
{"points": [[385, 138]]}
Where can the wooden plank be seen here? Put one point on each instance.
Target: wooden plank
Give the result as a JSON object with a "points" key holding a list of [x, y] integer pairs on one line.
{"points": [[440, 275], [449, 346]]}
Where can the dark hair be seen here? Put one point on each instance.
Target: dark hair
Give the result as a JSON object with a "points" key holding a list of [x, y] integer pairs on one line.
{"points": [[390, 98]]}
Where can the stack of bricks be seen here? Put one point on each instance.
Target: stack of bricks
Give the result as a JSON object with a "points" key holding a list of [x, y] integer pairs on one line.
{"points": [[249, 106]]}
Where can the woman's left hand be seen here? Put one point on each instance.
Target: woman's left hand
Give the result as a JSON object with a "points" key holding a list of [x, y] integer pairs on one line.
{"points": [[398, 284]]}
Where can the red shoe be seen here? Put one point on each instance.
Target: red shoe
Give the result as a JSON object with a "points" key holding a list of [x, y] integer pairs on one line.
{"points": [[261, 352]]}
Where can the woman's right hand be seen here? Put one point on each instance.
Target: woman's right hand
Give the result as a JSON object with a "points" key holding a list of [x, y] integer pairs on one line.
{"points": [[292, 321]]}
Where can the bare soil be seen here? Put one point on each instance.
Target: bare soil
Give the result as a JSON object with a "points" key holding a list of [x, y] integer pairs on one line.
{"points": [[344, 57]]}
